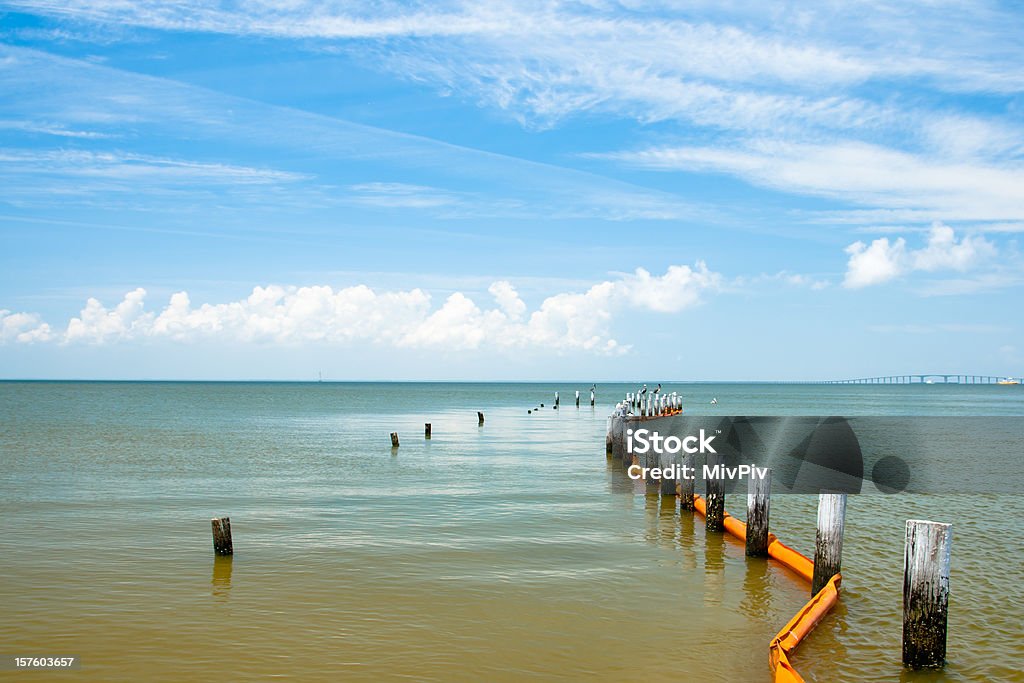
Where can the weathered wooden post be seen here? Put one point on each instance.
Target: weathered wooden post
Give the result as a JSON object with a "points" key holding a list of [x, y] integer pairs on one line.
{"points": [[591, 397], [687, 482], [222, 536], [618, 437], [714, 519], [556, 399], [480, 416], [758, 503], [925, 592], [668, 484], [608, 442], [628, 457], [394, 439], [426, 430], [577, 398], [828, 541]]}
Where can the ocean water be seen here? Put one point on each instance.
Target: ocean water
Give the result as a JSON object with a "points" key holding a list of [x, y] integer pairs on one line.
{"points": [[501, 552]]}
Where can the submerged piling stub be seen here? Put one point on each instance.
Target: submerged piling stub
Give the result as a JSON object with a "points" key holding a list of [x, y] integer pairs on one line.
{"points": [[758, 504], [426, 430], [926, 558], [480, 416], [609, 447], [222, 536], [714, 519], [394, 439], [828, 541]]}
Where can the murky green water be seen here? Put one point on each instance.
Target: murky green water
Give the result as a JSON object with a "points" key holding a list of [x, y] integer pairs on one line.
{"points": [[504, 552]]}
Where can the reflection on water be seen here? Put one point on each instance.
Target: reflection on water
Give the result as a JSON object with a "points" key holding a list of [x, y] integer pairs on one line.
{"points": [[221, 581], [714, 568], [757, 589], [686, 540]]}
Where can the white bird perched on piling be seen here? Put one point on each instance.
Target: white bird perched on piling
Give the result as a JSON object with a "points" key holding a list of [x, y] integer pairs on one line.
{"points": [[658, 390], [714, 401], [643, 391]]}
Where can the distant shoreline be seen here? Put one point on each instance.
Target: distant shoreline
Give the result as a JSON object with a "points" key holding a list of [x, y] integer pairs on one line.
{"points": [[588, 382]]}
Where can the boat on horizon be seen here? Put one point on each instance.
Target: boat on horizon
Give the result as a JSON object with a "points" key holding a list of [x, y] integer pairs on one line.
{"points": [[1008, 381]]}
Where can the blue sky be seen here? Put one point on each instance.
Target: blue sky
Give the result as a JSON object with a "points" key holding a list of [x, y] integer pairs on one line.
{"points": [[520, 190]]}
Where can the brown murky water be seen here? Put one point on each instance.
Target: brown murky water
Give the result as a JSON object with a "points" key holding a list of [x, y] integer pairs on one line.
{"points": [[500, 553]]}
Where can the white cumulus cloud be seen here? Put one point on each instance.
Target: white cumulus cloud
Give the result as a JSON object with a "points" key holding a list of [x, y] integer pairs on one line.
{"points": [[884, 260], [23, 327], [403, 318]]}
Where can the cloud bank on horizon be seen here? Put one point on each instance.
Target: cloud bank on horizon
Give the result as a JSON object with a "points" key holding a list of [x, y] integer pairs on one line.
{"points": [[407, 319]]}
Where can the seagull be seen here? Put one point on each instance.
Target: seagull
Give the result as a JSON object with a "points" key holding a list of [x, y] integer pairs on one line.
{"points": [[714, 401], [643, 392], [658, 390]]}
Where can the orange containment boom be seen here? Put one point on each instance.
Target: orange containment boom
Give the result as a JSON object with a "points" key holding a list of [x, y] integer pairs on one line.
{"points": [[797, 629], [807, 618], [776, 548]]}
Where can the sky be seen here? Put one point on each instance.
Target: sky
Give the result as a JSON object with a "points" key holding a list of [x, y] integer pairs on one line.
{"points": [[511, 190]]}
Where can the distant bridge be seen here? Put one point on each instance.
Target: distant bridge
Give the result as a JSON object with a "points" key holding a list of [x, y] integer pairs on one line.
{"points": [[921, 379]]}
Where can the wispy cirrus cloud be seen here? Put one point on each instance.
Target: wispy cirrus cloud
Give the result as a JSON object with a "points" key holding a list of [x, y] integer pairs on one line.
{"points": [[133, 167], [450, 180], [931, 188], [775, 88], [56, 130]]}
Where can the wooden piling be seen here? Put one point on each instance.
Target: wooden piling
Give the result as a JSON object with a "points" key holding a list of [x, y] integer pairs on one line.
{"points": [[828, 542], [926, 558], [714, 519], [758, 504], [577, 399], [480, 416], [686, 483], [608, 442], [618, 438], [394, 439], [668, 484], [591, 398], [629, 458], [426, 430], [222, 536]]}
